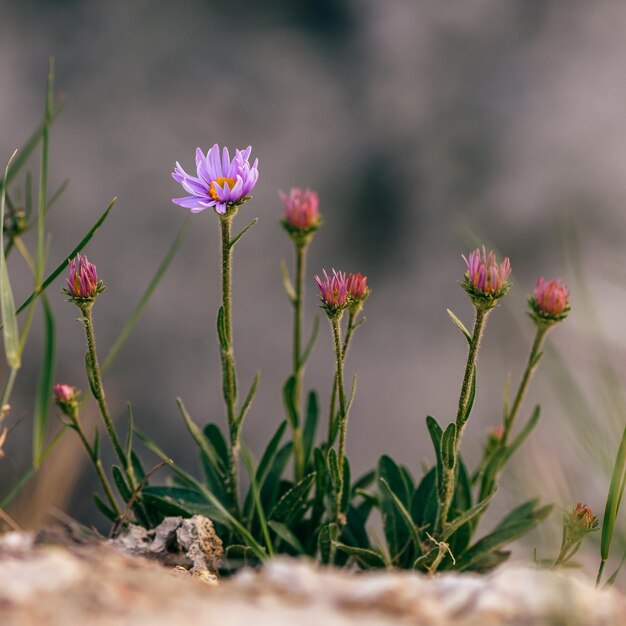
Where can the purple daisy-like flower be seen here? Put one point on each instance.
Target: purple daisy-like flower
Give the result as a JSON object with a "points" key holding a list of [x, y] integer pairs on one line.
{"points": [[220, 182]]}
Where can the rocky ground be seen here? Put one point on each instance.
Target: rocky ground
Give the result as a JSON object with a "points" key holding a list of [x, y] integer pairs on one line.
{"points": [[73, 579]]}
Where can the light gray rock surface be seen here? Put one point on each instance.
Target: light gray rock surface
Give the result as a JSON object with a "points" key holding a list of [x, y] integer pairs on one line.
{"points": [[93, 584]]}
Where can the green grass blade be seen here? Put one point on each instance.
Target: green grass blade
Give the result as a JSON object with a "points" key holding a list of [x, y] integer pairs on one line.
{"points": [[40, 257], [7, 303], [82, 243], [28, 148], [136, 314], [612, 504], [44, 388], [54, 198]]}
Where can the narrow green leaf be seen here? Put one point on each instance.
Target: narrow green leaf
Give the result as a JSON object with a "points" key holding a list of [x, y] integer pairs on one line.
{"points": [[28, 148], [90, 375], [613, 500], [367, 559], [181, 501], [248, 401], [55, 197], [104, 508], [472, 396], [289, 400], [120, 483], [465, 517], [286, 535], [292, 505], [145, 298], [239, 235], [291, 292], [7, 303], [448, 441], [346, 492], [45, 385], [198, 436], [333, 470], [459, 324], [364, 481], [254, 488], [78, 248], [129, 436], [221, 330], [311, 342], [310, 426], [404, 514], [328, 535]]}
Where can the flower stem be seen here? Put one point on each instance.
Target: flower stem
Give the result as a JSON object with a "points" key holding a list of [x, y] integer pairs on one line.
{"points": [[298, 446], [343, 417], [228, 359], [461, 416], [97, 385], [97, 463], [333, 397], [531, 367]]}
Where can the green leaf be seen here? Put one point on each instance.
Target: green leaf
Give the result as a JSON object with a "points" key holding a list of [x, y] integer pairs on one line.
{"points": [[256, 498], [286, 535], [490, 561], [518, 523], [241, 233], [221, 329], [120, 483], [180, 501], [366, 558], [291, 292], [78, 248], [613, 501], [310, 426], [404, 515], [28, 148], [248, 401], [425, 503], [289, 400], [45, 385], [104, 508], [333, 470], [436, 433], [472, 396], [459, 324], [328, 535], [90, 375], [465, 517], [129, 436], [293, 504], [310, 343], [364, 481], [7, 303], [448, 441], [145, 298], [270, 490], [345, 486]]}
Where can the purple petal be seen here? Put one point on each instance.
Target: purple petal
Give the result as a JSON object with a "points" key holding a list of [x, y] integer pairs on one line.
{"points": [[213, 163]]}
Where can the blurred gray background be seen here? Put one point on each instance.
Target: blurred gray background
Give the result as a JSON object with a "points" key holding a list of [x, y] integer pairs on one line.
{"points": [[423, 126]]}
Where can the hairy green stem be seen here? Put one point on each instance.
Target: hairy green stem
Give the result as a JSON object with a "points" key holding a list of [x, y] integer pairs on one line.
{"points": [[343, 417], [298, 366], [228, 359], [531, 367], [333, 397], [98, 388]]}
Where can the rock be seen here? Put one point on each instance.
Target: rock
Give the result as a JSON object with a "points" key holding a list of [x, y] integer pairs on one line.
{"points": [[191, 544], [93, 584]]}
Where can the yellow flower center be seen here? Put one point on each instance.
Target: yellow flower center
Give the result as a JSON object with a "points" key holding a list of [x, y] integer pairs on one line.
{"points": [[220, 181]]}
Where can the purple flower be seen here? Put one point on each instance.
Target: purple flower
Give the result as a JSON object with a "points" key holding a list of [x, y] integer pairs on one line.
{"points": [[82, 281], [220, 182], [550, 299], [333, 292], [301, 208], [484, 276]]}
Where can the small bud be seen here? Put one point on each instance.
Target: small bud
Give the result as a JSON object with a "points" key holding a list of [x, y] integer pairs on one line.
{"points": [[333, 292], [578, 522], [302, 217], [82, 281], [66, 398], [485, 280], [358, 291], [549, 303]]}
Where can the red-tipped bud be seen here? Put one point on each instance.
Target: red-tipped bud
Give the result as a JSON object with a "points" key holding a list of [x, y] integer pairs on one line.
{"points": [[333, 292], [550, 301], [82, 280], [66, 398]]}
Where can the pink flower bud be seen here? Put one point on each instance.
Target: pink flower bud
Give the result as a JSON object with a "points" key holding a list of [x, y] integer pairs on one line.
{"points": [[301, 209], [357, 286], [64, 393], [550, 299], [82, 281]]}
